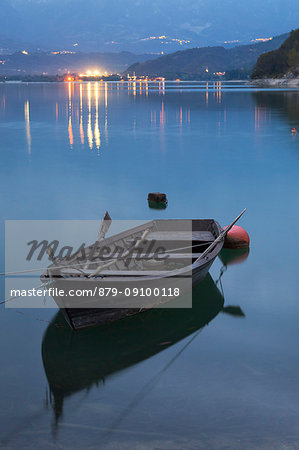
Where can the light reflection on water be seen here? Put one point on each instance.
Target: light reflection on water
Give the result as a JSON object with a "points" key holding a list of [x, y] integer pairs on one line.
{"points": [[27, 121], [83, 120], [86, 107]]}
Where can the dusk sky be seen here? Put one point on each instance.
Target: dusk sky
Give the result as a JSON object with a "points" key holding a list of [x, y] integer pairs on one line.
{"points": [[114, 25]]}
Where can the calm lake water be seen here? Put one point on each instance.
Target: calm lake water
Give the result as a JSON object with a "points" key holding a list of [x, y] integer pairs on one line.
{"points": [[71, 151]]}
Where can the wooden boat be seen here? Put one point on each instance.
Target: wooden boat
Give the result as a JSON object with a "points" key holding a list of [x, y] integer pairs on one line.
{"points": [[134, 267], [184, 242], [75, 362]]}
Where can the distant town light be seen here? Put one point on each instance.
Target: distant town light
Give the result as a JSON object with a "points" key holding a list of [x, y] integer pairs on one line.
{"points": [[63, 52], [262, 39], [165, 40], [93, 73], [232, 42], [25, 52]]}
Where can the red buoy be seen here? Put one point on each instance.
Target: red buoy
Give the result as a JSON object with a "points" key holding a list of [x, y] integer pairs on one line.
{"points": [[237, 237], [294, 131]]}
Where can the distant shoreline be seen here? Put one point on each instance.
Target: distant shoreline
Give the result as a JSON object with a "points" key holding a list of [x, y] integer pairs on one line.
{"points": [[37, 80], [276, 82], [12, 81], [259, 83]]}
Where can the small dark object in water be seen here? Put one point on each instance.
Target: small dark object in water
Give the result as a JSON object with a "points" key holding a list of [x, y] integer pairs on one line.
{"points": [[157, 200], [157, 197]]}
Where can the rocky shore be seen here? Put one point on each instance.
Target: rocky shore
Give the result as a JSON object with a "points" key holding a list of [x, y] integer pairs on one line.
{"points": [[287, 82]]}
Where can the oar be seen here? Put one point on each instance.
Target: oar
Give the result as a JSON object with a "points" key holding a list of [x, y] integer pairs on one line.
{"points": [[220, 237], [105, 225]]}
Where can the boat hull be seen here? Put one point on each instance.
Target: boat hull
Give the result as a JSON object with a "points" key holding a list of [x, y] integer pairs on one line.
{"points": [[99, 309], [94, 314]]}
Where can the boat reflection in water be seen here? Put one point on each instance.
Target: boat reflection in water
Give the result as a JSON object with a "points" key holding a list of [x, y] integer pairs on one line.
{"points": [[77, 360]]}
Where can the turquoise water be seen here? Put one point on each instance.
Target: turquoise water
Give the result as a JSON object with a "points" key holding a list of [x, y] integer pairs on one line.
{"points": [[71, 151]]}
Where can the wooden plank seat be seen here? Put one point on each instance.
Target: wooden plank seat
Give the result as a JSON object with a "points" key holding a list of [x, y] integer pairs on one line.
{"points": [[152, 255], [139, 257], [204, 236]]}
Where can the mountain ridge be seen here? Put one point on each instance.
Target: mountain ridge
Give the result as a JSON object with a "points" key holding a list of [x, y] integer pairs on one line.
{"points": [[203, 62]]}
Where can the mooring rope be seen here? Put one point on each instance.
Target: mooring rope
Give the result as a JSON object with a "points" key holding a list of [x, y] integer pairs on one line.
{"points": [[9, 299]]}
